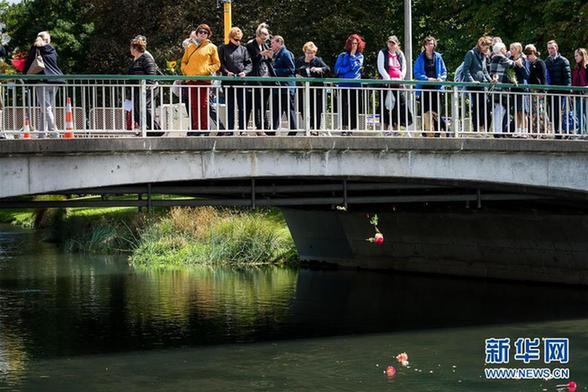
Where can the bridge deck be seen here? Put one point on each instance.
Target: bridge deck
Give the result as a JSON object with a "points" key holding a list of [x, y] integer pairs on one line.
{"points": [[264, 143]]}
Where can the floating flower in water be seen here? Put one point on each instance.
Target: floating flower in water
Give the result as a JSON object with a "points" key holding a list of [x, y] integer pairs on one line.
{"points": [[569, 387], [402, 358], [390, 371]]}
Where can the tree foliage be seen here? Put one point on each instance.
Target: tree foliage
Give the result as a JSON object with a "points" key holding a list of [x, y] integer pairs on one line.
{"points": [[92, 36]]}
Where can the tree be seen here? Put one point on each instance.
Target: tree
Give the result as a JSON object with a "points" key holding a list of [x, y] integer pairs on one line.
{"points": [[68, 22], [92, 36]]}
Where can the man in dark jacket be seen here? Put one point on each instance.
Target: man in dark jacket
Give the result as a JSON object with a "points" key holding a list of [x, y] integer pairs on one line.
{"points": [[558, 74], [46, 92], [262, 60], [475, 70], [283, 98], [235, 62]]}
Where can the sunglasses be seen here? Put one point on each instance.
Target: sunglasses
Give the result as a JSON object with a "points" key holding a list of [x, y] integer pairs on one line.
{"points": [[202, 32]]}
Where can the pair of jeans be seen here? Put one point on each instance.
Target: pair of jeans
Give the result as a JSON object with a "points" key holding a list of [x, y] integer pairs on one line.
{"points": [[150, 122], [400, 113], [283, 101], [46, 100], [581, 104], [349, 107], [257, 102], [315, 107], [237, 97], [479, 108]]}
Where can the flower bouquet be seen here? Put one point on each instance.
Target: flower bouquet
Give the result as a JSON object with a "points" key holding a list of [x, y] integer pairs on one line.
{"points": [[19, 60]]}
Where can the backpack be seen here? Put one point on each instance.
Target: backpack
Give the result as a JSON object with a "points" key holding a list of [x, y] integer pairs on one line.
{"points": [[458, 76]]}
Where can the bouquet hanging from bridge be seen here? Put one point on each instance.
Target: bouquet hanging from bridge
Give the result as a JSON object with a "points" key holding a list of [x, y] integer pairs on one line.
{"points": [[378, 237]]}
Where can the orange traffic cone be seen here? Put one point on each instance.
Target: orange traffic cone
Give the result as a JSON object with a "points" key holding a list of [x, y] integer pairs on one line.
{"points": [[69, 131], [26, 129]]}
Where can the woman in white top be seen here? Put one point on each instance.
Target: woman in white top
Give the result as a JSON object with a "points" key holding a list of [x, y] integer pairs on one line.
{"points": [[392, 66]]}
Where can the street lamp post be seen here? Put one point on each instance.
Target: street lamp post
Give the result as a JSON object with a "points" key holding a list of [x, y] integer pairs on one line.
{"points": [[228, 17], [408, 37]]}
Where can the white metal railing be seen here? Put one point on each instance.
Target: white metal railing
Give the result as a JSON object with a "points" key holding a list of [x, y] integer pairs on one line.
{"points": [[161, 106]]}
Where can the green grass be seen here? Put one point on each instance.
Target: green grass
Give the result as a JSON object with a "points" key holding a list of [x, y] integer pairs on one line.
{"points": [[205, 235], [176, 237], [21, 218]]}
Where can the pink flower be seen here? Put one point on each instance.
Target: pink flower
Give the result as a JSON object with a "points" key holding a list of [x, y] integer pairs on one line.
{"points": [[390, 371], [402, 358], [378, 239]]}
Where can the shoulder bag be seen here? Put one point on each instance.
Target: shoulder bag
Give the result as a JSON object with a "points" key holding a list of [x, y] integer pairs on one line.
{"points": [[38, 65]]}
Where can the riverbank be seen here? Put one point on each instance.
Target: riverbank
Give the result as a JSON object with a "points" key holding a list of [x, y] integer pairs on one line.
{"points": [[206, 235], [175, 237]]}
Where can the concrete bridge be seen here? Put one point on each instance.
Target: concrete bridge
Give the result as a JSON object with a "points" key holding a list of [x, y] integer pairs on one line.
{"points": [[504, 208], [46, 166]]}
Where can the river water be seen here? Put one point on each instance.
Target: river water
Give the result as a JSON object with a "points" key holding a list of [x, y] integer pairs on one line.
{"points": [[92, 323]]}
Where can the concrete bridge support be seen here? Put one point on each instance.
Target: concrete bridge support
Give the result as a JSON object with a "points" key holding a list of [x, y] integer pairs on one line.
{"points": [[522, 246]]}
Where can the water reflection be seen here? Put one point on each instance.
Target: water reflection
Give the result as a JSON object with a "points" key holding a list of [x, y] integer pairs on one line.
{"points": [[208, 305], [55, 305]]}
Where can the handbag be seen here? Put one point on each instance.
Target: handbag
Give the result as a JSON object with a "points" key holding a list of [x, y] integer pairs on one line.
{"points": [[38, 65], [176, 88]]}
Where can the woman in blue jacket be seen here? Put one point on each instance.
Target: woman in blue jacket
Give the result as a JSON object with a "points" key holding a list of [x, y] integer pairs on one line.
{"points": [[348, 66], [429, 66]]}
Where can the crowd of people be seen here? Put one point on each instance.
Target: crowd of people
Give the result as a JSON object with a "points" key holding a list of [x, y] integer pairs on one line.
{"points": [[490, 61]]}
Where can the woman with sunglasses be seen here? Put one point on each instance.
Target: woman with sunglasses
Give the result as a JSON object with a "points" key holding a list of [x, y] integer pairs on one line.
{"points": [[236, 63], [263, 67], [200, 59]]}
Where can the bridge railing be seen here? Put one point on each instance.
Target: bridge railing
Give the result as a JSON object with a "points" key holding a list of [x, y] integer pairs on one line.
{"points": [[115, 106]]}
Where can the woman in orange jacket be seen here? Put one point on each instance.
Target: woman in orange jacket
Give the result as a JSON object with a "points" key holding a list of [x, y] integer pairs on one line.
{"points": [[200, 59]]}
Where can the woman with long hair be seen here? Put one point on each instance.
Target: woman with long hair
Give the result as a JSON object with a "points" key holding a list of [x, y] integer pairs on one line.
{"points": [[348, 66], [580, 79], [392, 66]]}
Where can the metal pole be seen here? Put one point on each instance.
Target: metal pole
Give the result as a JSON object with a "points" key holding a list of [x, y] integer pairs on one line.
{"points": [[307, 108], [143, 107], [455, 112], [228, 19], [408, 37]]}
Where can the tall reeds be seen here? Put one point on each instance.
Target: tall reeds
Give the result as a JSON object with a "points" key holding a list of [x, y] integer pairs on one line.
{"points": [[208, 235]]}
